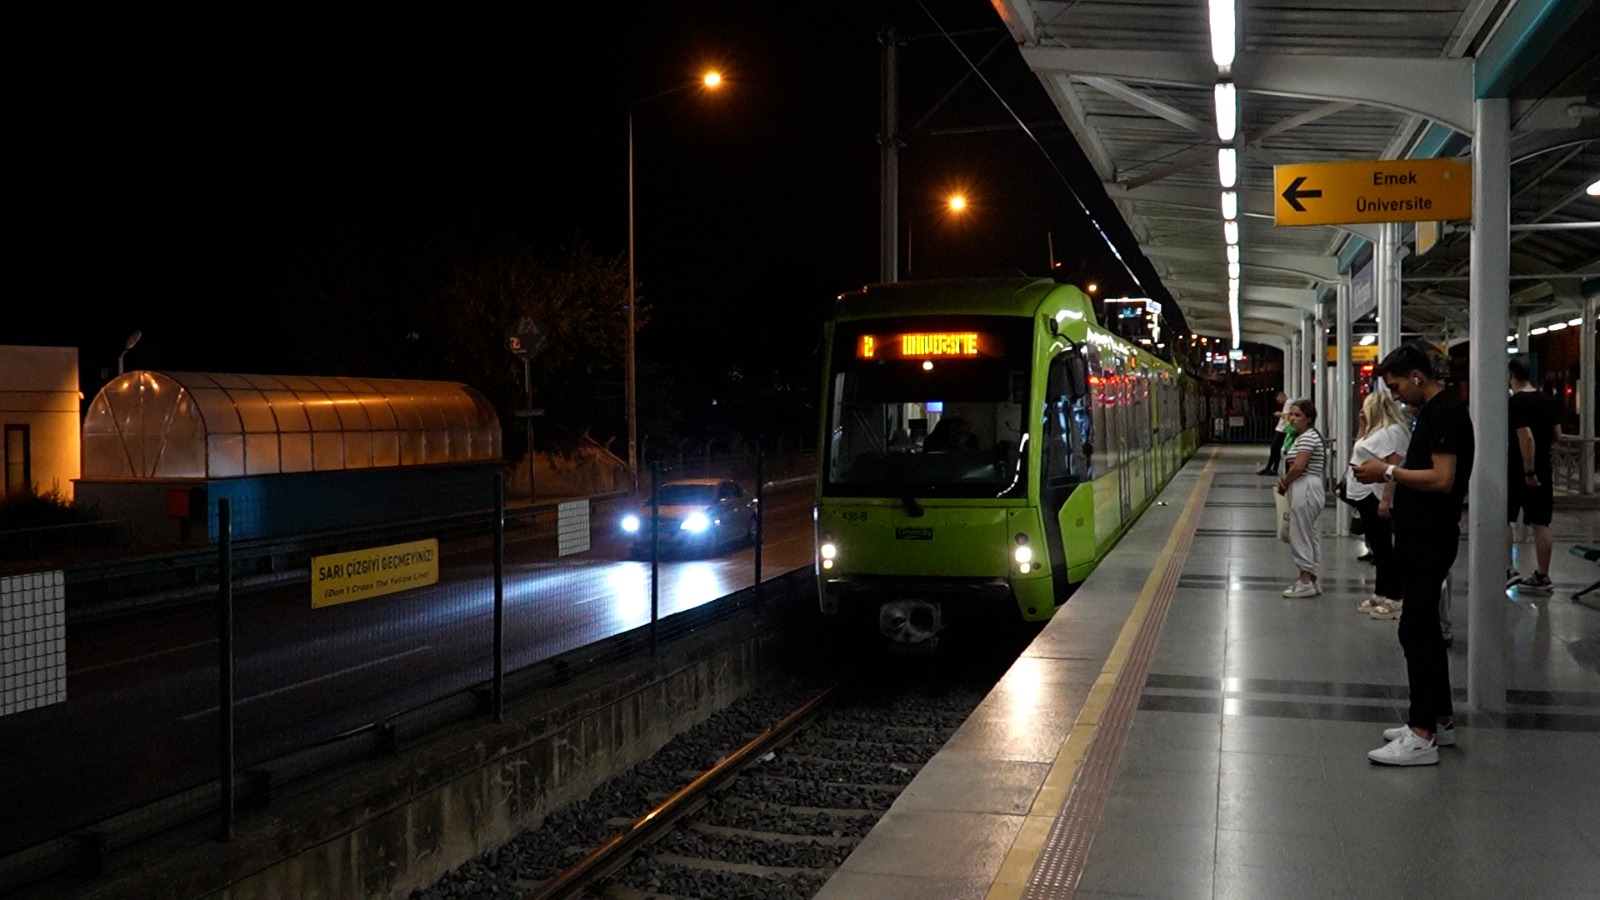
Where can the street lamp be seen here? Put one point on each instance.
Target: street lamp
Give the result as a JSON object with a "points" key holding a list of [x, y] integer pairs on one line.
{"points": [[955, 204], [709, 81], [132, 340]]}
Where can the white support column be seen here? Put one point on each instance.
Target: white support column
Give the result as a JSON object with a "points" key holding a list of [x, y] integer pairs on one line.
{"points": [[1308, 349], [1386, 282], [1319, 368], [1291, 366], [1490, 311], [1586, 395], [1341, 390]]}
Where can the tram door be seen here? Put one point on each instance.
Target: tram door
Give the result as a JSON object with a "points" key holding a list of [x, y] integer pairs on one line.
{"points": [[1127, 440], [1149, 422]]}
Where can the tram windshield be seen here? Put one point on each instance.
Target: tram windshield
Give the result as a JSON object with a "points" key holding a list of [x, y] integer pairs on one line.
{"points": [[928, 407]]}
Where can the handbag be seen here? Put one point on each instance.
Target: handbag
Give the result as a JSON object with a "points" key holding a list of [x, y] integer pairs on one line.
{"points": [[1281, 502], [1339, 491]]}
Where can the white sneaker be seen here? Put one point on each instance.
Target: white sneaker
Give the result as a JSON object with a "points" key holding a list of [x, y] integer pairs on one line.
{"points": [[1406, 750], [1388, 609], [1370, 603], [1302, 589], [1443, 736]]}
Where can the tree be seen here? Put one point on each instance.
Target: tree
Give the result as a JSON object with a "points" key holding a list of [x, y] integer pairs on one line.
{"points": [[577, 299], [358, 302]]}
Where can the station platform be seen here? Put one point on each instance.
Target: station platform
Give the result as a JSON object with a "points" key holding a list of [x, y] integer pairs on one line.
{"points": [[1180, 729]]}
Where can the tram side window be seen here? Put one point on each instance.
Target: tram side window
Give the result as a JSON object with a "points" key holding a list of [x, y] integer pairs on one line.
{"points": [[1068, 424]]}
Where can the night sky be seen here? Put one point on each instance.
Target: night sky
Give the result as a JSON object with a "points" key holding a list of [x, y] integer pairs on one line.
{"points": [[176, 170]]}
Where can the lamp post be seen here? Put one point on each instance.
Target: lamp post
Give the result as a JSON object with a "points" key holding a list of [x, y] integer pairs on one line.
{"points": [[710, 81], [132, 340], [955, 205]]}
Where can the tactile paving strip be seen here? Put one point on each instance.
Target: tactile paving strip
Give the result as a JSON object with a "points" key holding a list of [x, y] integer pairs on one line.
{"points": [[1066, 850]]}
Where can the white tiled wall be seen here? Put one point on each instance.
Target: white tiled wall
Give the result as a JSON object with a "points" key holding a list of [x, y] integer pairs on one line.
{"points": [[33, 641]]}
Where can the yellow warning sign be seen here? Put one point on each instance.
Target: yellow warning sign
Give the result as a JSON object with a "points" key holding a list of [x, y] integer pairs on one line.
{"points": [[1379, 190], [1359, 353], [359, 574]]}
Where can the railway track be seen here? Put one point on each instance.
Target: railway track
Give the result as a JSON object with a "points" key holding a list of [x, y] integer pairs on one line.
{"points": [[765, 799]]}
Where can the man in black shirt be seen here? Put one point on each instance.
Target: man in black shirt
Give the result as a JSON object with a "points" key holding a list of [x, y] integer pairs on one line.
{"points": [[1529, 471], [1430, 487]]}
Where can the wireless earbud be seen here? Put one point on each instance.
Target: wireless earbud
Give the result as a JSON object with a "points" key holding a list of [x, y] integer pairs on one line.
{"points": [[1415, 381]]}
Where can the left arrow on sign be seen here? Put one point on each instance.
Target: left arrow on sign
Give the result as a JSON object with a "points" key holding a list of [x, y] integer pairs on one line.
{"points": [[1292, 193]]}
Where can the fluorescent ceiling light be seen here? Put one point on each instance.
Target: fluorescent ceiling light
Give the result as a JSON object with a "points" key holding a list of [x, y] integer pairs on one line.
{"points": [[1233, 285], [1557, 326], [1230, 204], [1233, 253], [1223, 29], [1230, 231], [1227, 101], [1574, 321], [1367, 340], [1593, 189], [1540, 330], [1233, 270], [1228, 166]]}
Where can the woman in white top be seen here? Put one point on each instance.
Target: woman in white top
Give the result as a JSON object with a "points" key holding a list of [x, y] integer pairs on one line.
{"points": [[1385, 435], [1302, 484]]}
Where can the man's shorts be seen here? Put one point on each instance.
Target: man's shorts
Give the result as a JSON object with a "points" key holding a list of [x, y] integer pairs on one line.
{"points": [[1535, 504]]}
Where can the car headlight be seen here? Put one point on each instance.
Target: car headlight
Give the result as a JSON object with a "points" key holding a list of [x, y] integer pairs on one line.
{"points": [[630, 524], [696, 522], [829, 550]]}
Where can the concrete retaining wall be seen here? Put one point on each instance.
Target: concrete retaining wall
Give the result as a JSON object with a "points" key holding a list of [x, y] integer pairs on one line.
{"points": [[390, 826]]}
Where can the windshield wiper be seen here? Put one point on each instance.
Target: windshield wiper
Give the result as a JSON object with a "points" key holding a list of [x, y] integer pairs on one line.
{"points": [[913, 508]]}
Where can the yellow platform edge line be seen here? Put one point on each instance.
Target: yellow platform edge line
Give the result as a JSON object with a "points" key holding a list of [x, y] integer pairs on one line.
{"points": [[1017, 867]]}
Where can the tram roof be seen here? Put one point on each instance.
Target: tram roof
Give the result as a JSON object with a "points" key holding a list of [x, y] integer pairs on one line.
{"points": [[1319, 82]]}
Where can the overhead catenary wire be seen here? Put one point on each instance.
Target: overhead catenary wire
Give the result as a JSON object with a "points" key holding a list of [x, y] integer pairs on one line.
{"points": [[1054, 167]]}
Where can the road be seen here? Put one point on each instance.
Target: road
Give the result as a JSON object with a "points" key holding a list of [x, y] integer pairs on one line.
{"points": [[141, 719]]}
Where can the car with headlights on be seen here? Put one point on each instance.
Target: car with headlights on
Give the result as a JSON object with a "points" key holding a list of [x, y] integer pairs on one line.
{"points": [[696, 514]]}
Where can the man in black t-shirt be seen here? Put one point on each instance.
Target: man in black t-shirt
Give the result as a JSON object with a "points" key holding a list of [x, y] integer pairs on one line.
{"points": [[1430, 487], [1529, 471]]}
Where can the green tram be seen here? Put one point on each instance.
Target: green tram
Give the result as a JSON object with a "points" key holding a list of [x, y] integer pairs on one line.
{"points": [[984, 443]]}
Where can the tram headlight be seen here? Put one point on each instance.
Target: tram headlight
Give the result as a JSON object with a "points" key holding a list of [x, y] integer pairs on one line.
{"points": [[630, 524], [1023, 554], [827, 550]]}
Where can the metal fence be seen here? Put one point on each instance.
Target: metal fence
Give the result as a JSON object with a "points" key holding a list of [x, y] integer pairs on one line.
{"points": [[122, 715]]}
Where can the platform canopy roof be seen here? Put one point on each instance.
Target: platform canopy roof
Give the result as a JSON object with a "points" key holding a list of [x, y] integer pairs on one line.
{"points": [[1326, 81], [197, 425]]}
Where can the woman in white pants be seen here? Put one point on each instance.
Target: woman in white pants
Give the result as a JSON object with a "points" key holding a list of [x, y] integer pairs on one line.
{"points": [[1302, 484]]}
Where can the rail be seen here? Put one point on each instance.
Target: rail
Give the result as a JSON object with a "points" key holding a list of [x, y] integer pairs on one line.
{"points": [[122, 582], [616, 852]]}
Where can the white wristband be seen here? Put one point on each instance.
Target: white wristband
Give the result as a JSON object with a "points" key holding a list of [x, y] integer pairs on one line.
{"points": [[1388, 474]]}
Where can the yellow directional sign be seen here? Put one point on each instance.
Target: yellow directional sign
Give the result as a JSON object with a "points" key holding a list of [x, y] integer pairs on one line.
{"points": [[1378, 190]]}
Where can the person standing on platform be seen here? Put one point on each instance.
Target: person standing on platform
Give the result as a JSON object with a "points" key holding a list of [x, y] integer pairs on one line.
{"points": [[1429, 487], [1385, 437], [1279, 438], [1302, 484], [1530, 472]]}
